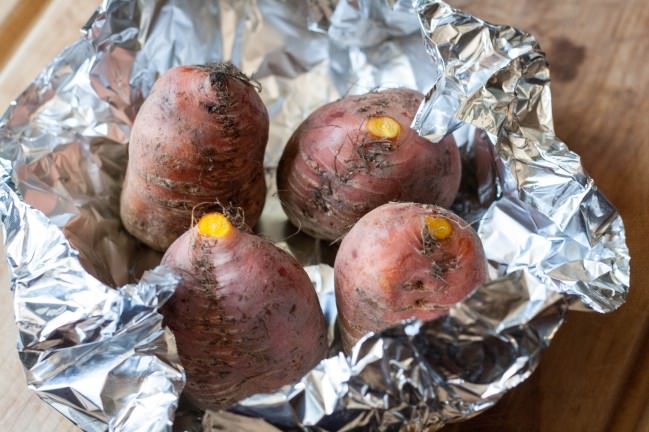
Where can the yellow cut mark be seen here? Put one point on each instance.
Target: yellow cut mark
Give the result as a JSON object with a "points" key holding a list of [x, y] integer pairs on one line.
{"points": [[438, 227], [214, 225], [383, 127]]}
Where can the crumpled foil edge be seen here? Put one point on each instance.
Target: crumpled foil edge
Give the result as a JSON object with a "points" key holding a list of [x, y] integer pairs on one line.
{"points": [[63, 341], [418, 375]]}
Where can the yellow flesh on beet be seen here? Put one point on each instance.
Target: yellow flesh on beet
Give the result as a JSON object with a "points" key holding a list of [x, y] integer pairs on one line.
{"points": [[383, 127], [214, 225], [438, 227]]}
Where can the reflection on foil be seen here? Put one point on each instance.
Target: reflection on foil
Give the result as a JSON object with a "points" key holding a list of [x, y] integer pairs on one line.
{"points": [[97, 354], [101, 355]]}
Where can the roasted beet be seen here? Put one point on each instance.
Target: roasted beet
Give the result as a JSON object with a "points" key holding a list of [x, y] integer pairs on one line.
{"points": [[197, 143], [404, 260], [353, 155], [246, 316]]}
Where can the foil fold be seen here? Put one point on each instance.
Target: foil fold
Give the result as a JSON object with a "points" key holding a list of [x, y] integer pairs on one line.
{"points": [[90, 337], [96, 354]]}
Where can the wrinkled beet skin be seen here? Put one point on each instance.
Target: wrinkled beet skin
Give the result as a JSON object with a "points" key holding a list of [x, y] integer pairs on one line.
{"points": [[332, 171], [199, 137], [386, 270], [246, 317]]}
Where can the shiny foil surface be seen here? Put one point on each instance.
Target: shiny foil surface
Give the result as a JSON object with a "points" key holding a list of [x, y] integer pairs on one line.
{"points": [[90, 337]]}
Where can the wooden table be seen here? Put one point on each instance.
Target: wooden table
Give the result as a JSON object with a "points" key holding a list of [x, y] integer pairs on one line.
{"points": [[595, 376], [32, 33]]}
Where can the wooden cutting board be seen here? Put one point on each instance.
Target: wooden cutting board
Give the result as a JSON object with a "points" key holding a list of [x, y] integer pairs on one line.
{"points": [[595, 375], [32, 33]]}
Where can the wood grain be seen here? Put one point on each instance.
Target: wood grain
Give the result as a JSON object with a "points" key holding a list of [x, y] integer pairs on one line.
{"points": [[35, 31], [595, 375], [19, 21], [32, 33]]}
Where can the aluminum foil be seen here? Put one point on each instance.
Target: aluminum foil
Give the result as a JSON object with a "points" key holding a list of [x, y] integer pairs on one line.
{"points": [[90, 337]]}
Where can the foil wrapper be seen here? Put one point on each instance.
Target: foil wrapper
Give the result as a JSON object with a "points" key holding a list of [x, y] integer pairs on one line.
{"points": [[90, 337]]}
